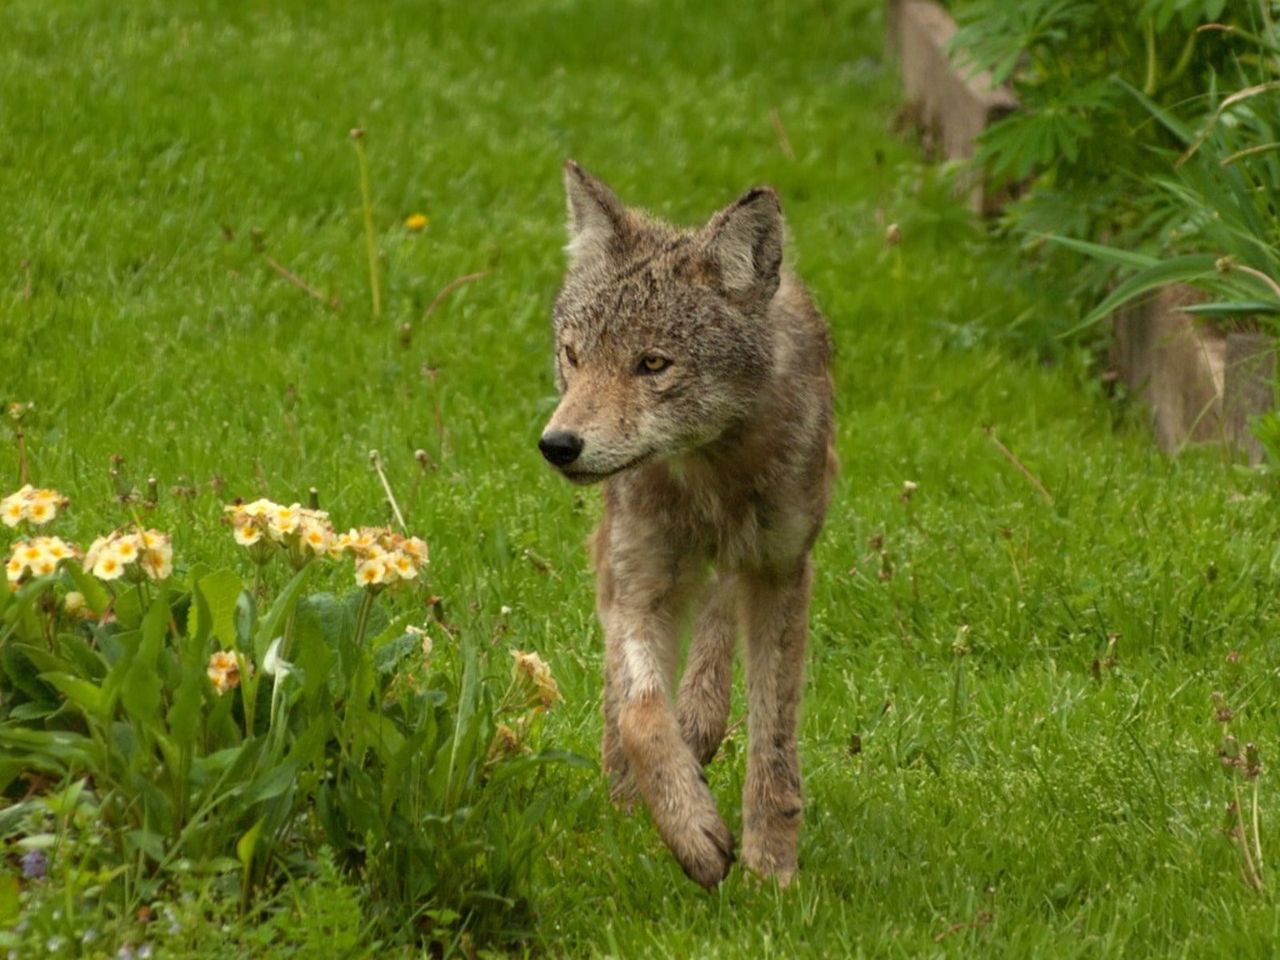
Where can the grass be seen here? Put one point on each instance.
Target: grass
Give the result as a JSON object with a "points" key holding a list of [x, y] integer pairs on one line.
{"points": [[986, 771]]}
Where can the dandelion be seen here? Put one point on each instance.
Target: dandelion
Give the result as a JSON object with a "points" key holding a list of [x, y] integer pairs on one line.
{"points": [[223, 671], [533, 674], [416, 221]]}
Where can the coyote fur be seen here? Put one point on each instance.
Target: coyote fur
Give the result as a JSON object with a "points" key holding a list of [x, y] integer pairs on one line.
{"points": [[693, 373]]}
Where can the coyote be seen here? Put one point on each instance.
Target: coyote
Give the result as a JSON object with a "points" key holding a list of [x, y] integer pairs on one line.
{"points": [[693, 377]]}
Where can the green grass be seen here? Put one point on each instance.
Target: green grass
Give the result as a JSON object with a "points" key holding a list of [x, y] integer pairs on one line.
{"points": [[974, 785]]}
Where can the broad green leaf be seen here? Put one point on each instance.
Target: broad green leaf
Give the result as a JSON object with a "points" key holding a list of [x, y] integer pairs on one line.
{"points": [[216, 596], [85, 695], [141, 686]]}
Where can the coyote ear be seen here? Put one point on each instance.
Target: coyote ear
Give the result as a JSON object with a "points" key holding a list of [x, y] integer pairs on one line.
{"points": [[744, 244], [597, 218]]}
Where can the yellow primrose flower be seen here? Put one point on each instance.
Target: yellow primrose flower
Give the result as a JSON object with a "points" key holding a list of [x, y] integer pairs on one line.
{"points": [[371, 573], [14, 570], [403, 565], [416, 221], [223, 671], [316, 534], [12, 511], [247, 534], [283, 521], [125, 548], [108, 566], [94, 551]]}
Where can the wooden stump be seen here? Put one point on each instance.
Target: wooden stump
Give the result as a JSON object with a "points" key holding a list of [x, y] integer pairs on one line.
{"points": [[1174, 365], [953, 102]]}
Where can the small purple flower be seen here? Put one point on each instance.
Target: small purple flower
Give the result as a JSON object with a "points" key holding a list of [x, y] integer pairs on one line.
{"points": [[34, 865]]}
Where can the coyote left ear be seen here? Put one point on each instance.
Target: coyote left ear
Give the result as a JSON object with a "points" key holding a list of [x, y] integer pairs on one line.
{"points": [[744, 243]]}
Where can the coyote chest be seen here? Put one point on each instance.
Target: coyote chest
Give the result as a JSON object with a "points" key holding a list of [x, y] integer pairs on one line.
{"points": [[704, 508]]}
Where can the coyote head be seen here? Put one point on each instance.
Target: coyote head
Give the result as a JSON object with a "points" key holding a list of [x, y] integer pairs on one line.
{"points": [[662, 335]]}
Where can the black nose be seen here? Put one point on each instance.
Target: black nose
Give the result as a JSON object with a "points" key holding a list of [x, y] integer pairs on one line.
{"points": [[560, 447]]}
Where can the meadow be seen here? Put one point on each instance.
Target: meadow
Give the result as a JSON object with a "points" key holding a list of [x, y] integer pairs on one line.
{"points": [[1022, 610]]}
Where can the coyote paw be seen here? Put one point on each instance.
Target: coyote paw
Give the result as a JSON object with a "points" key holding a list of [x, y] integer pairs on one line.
{"points": [[705, 850], [770, 852]]}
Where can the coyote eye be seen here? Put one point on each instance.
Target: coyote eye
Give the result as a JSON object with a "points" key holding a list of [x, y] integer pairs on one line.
{"points": [[652, 363], [570, 355]]}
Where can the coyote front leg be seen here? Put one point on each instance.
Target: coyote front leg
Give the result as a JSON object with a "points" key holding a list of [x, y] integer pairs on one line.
{"points": [[640, 636], [777, 622], [706, 687]]}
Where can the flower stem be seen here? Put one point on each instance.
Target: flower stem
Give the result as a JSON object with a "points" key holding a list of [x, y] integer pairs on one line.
{"points": [[362, 618], [367, 206]]}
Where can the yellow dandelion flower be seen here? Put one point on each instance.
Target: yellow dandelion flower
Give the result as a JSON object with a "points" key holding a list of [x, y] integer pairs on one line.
{"points": [[416, 221]]}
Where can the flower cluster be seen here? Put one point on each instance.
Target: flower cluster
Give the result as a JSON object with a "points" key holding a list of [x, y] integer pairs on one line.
{"points": [[37, 557], [223, 671], [121, 553], [34, 506], [382, 556], [301, 531], [532, 675]]}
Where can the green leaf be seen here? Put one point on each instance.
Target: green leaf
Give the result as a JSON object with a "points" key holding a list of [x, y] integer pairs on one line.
{"points": [[215, 607], [1235, 308], [10, 903], [91, 588], [247, 843], [141, 686], [85, 695], [1123, 258], [1184, 269], [273, 623]]}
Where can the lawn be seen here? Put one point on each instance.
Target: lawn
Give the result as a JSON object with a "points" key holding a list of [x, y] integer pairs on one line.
{"points": [[1009, 735]]}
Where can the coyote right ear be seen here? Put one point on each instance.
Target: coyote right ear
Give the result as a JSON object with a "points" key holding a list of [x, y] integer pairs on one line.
{"points": [[597, 218]]}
